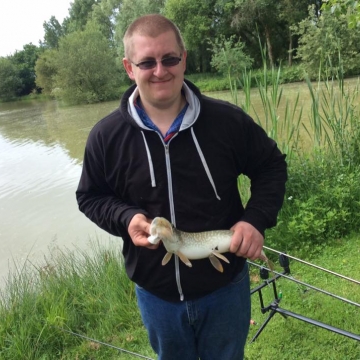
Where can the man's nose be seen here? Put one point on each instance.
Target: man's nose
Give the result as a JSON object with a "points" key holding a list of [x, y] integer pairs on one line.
{"points": [[160, 69]]}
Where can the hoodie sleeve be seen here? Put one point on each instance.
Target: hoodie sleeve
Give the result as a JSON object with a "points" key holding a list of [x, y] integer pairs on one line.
{"points": [[267, 169], [96, 199]]}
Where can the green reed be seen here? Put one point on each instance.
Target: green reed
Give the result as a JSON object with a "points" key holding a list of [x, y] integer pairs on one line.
{"points": [[317, 208], [280, 118], [334, 116], [331, 124]]}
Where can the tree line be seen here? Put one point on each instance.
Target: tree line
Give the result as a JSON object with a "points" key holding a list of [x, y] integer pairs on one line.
{"points": [[79, 60]]}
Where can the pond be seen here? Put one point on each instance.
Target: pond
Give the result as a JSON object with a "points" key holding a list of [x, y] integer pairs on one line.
{"points": [[41, 147], [41, 150]]}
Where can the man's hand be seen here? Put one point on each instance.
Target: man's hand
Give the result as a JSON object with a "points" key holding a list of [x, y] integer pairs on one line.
{"points": [[139, 230], [246, 241]]}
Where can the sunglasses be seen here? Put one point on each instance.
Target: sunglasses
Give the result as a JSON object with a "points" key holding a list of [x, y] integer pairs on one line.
{"points": [[151, 64]]}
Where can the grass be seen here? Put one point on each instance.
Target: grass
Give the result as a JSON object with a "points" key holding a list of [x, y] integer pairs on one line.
{"points": [[91, 295], [294, 339]]}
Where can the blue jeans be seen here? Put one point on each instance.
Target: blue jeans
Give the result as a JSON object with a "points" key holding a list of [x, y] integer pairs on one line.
{"points": [[212, 327]]}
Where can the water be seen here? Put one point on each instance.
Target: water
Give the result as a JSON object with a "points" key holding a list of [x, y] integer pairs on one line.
{"points": [[41, 149]]}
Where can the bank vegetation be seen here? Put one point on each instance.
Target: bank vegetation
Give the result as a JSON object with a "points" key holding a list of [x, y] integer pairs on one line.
{"points": [[46, 307]]}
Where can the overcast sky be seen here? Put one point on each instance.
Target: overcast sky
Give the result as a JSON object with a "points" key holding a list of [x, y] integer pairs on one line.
{"points": [[21, 21]]}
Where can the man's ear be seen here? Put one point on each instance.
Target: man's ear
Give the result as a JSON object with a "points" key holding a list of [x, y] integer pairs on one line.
{"points": [[128, 67]]}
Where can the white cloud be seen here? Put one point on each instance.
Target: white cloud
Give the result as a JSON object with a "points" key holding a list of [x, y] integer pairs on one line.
{"points": [[21, 21]]}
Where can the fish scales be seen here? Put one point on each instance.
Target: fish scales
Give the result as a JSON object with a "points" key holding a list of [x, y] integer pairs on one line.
{"points": [[202, 244]]}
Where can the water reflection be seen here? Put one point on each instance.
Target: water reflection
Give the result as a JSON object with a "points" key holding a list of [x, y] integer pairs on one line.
{"points": [[48, 123], [41, 149]]}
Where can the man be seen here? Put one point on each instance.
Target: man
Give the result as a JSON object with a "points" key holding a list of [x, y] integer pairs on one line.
{"points": [[170, 151]]}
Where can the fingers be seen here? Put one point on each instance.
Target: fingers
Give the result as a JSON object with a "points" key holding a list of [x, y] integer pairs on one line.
{"points": [[247, 241], [151, 246], [139, 222], [139, 230]]}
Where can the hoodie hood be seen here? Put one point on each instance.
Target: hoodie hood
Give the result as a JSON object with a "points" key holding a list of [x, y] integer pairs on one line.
{"points": [[192, 96]]}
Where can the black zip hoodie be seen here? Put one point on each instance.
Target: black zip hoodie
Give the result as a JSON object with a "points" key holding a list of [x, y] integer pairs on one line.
{"points": [[191, 181]]}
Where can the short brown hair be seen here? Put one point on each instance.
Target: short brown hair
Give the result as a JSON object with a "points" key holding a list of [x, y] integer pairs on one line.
{"points": [[151, 25]]}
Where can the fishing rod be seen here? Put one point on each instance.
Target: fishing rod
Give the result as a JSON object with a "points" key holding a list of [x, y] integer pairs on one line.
{"points": [[307, 285], [314, 266], [104, 343], [274, 307]]}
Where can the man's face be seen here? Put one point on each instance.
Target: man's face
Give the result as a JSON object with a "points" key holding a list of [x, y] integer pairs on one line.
{"points": [[159, 87]]}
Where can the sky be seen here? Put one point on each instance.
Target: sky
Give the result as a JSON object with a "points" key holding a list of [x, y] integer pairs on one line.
{"points": [[21, 21]]}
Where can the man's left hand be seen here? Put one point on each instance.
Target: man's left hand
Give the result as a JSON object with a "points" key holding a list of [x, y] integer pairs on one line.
{"points": [[246, 241]]}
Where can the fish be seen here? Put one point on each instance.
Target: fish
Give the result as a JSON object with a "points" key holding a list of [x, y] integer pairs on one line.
{"points": [[194, 245]]}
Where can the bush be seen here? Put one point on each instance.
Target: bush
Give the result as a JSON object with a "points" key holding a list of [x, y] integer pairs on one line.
{"points": [[86, 70], [229, 57], [217, 82], [321, 204], [290, 74]]}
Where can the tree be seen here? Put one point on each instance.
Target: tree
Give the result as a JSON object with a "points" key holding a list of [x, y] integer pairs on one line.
{"points": [[53, 32], [10, 81], [105, 14], [79, 13], [25, 60], [86, 69], [291, 13], [45, 70], [350, 8], [197, 21], [268, 20], [264, 13], [327, 43]]}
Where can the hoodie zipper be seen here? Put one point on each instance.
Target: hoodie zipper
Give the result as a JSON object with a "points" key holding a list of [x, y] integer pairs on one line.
{"points": [[170, 188], [172, 213]]}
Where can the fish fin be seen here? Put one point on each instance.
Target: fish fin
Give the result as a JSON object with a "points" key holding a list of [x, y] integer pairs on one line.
{"points": [[220, 256], [268, 262], [184, 259], [166, 258], [263, 256], [216, 263], [271, 265]]}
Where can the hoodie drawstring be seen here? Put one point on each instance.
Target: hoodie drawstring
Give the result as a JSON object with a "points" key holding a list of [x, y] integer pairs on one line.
{"points": [[151, 166], [202, 157]]}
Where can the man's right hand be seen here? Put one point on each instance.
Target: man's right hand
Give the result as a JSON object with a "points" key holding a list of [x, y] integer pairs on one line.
{"points": [[139, 231]]}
